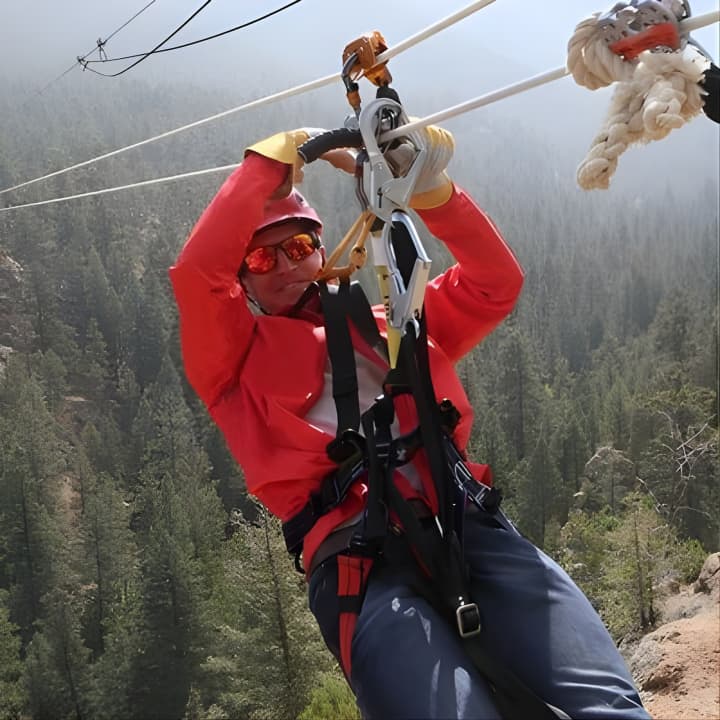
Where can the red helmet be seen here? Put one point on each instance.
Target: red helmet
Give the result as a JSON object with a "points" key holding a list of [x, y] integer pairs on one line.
{"points": [[292, 207]]}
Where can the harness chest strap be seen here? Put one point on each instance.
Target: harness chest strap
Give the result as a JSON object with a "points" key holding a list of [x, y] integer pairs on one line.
{"points": [[439, 557]]}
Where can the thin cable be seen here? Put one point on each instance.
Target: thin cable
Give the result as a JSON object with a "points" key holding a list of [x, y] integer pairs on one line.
{"points": [[695, 23], [297, 90], [125, 24], [151, 52], [201, 40], [96, 47], [477, 102], [105, 191], [487, 99]]}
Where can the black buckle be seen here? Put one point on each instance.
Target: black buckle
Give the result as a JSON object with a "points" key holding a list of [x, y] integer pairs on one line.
{"points": [[468, 619], [335, 486], [364, 547], [345, 445], [449, 415]]}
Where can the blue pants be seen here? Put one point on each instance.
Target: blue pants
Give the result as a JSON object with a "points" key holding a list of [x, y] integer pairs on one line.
{"points": [[408, 661]]}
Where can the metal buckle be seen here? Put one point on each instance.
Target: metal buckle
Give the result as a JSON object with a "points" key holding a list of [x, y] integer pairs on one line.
{"points": [[468, 620], [378, 187], [632, 26]]}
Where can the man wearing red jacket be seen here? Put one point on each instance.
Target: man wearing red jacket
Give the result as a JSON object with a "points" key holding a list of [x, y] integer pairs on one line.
{"points": [[266, 381]]}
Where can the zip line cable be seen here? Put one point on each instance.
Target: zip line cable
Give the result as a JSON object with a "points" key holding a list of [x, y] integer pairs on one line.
{"points": [[695, 23], [151, 52], [201, 40], [297, 90], [533, 82], [491, 97], [125, 24], [142, 183], [98, 45], [508, 91]]}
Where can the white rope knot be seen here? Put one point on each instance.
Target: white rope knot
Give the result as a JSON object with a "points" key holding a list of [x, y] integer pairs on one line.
{"points": [[661, 95], [590, 61]]}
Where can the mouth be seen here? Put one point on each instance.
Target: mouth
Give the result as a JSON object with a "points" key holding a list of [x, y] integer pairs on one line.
{"points": [[293, 285]]}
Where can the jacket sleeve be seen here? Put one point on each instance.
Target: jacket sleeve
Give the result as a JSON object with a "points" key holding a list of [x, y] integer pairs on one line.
{"points": [[470, 299], [216, 326]]}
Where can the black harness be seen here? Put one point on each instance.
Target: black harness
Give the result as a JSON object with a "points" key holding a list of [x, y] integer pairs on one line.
{"points": [[373, 455]]}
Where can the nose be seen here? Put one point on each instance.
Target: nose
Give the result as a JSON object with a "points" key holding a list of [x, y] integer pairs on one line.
{"points": [[284, 263]]}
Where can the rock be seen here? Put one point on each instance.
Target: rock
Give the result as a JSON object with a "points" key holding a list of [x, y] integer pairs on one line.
{"points": [[708, 581], [14, 327], [676, 666], [5, 353]]}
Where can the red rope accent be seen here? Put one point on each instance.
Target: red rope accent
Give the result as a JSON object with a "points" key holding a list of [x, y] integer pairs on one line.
{"points": [[353, 573]]}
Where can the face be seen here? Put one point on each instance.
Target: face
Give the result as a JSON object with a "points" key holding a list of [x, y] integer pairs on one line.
{"points": [[279, 289]]}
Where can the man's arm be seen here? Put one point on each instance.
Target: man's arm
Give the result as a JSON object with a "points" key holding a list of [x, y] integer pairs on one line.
{"points": [[216, 325], [711, 85], [471, 298]]}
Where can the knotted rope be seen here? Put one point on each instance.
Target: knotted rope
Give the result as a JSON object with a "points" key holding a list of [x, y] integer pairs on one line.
{"points": [[656, 93]]}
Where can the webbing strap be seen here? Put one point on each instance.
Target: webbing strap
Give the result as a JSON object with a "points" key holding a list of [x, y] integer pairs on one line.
{"points": [[349, 302], [448, 567], [362, 316], [342, 357], [353, 574], [514, 699], [439, 557]]}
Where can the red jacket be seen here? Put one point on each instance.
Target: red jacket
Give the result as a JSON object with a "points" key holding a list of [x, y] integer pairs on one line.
{"points": [[259, 375]]}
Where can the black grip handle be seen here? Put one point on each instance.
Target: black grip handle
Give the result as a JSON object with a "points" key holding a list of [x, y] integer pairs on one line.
{"points": [[317, 146]]}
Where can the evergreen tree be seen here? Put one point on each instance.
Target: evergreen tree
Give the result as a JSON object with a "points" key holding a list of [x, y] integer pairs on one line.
{"points": [[269, 656], [57, 660], [12, 692], [178, 519], [32, 457]]}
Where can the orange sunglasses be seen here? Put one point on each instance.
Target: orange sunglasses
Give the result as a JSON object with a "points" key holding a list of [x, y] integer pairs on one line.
{"points": [[296, 248]]}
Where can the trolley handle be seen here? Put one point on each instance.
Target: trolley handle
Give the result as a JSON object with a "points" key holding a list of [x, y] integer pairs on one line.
{"points": [[317, 146]]}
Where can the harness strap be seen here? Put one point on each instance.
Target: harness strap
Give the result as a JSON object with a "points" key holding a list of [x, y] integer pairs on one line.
{"points": [[514, 699], [361, 314], [376, 424], [353, 571], [342, 357], [437, 550], [448, 571]]}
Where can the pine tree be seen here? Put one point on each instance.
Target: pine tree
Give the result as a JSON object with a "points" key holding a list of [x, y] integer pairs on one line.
{"points": [[268, 655], [32, 457], [12, 692], [57, 660], [179, 520]]}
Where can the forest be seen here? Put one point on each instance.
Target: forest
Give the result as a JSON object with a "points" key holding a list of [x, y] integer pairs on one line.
{"points": [[139, 580]]}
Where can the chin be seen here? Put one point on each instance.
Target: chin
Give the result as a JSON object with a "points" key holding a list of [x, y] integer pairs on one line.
{"points": [[288, 302]]}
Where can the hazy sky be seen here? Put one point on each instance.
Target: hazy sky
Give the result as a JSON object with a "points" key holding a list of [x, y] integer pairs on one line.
{"points": [[506, 42], [47, 35]]}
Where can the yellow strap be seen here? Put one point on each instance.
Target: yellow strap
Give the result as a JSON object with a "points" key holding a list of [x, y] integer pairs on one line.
{"points": [[361, 229]]}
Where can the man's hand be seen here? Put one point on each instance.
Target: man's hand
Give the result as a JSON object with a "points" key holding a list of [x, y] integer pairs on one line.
{"points": [[433, 187], [283, 148]]}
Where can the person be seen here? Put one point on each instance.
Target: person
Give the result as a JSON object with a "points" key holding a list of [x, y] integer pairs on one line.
{"points": [[711, 85], [255, 349]]}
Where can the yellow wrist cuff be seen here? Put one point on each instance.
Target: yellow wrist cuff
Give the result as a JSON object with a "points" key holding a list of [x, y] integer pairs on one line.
{"points": [[432, 198], [281, 146]]}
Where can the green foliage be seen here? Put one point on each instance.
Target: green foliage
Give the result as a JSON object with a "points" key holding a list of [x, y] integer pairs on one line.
{"points": [[57, 660], [115, 582], [621, 562], [12, 691], [33, 456], [332, 699], [266, 653]]}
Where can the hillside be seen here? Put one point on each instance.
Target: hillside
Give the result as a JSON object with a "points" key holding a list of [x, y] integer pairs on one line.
{"points": [[595, 403], [677, 666]]}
